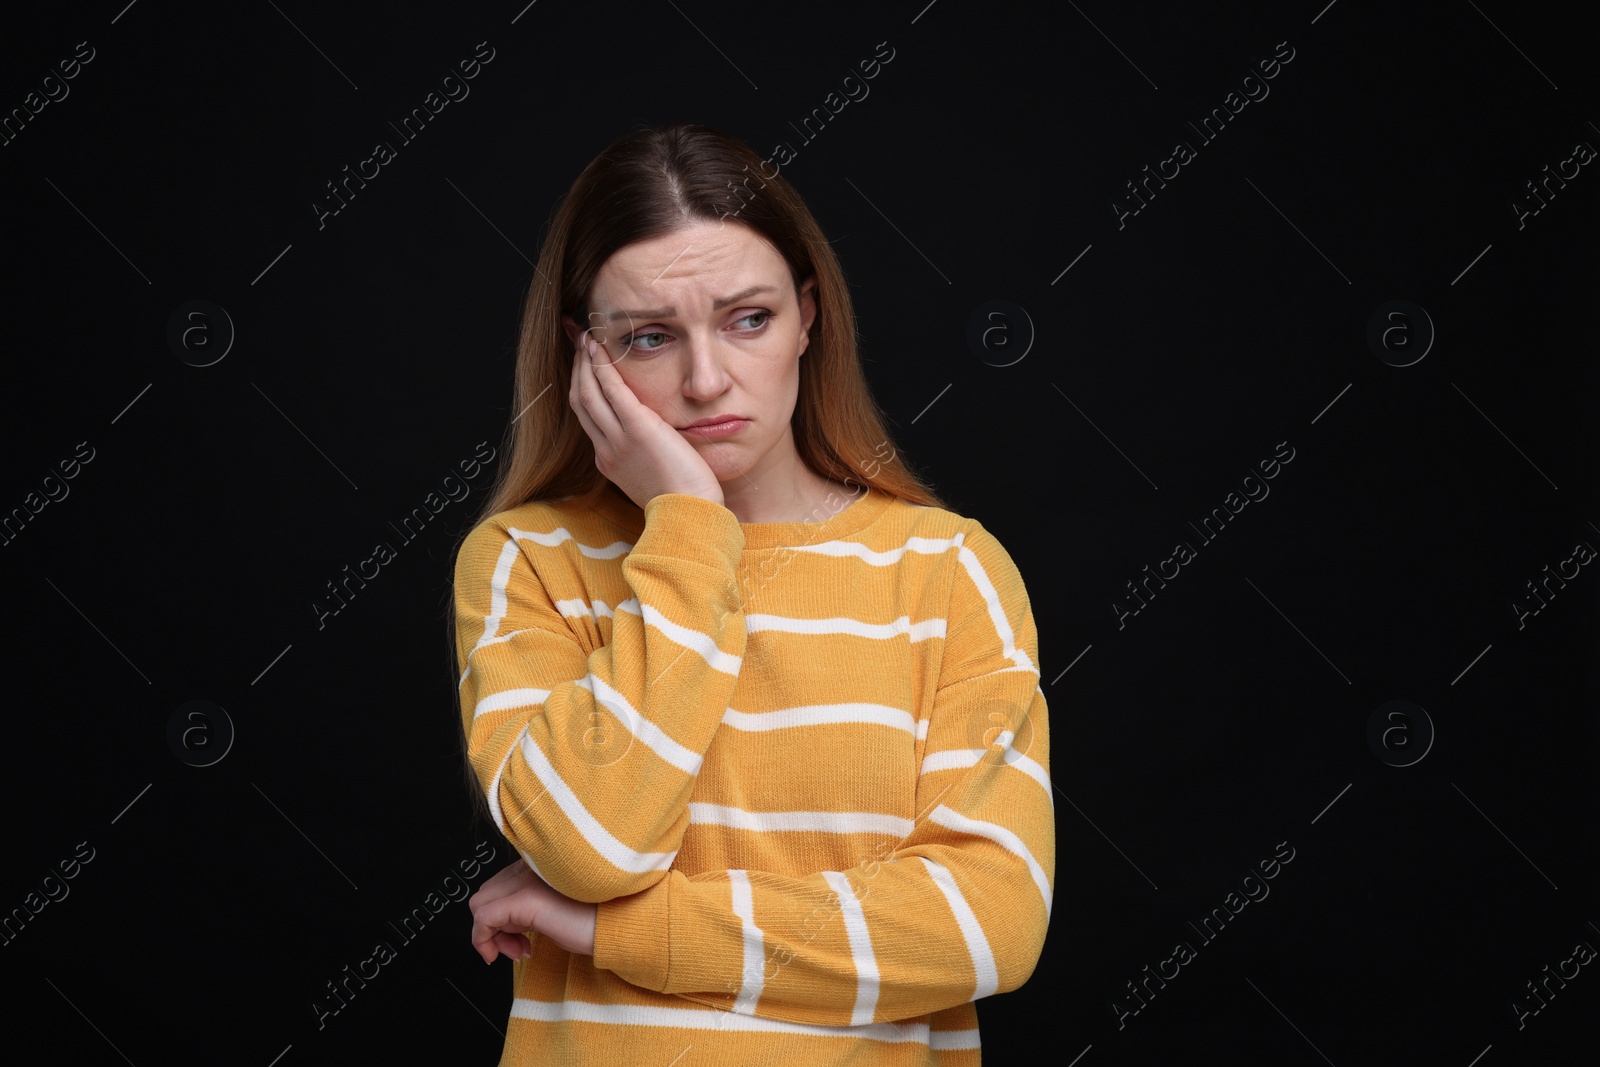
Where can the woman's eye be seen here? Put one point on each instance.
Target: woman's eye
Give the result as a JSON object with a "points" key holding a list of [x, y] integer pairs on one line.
{"points": [[654, 339], [633, 341]]}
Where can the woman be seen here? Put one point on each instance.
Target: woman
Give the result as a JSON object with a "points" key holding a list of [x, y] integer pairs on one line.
{"points": [[760, 717]]}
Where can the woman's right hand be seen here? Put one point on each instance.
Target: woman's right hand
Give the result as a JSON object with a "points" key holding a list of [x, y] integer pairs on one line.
{"points": [[516, 902], [633, 446]]}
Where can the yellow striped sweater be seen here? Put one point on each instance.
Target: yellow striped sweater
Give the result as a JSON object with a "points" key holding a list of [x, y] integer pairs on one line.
{"points": [[802, 768]]}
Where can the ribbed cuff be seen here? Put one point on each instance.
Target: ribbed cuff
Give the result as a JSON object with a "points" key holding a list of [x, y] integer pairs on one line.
{"points": [[630, 933], [693, 528]]}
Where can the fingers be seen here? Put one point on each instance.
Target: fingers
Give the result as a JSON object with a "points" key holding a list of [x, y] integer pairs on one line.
{"points": [[498, 927], [514, 946], [589, 401], [601, 332], [602, 396], [517, 904], [503, 908], [620, 403], [509, 879], [575, 398]]}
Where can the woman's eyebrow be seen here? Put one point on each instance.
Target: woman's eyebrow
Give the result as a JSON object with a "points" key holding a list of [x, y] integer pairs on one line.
{"points": [[716, 305]]}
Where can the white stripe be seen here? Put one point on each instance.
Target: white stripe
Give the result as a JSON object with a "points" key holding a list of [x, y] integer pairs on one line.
{"points": [[561, 535], [579, 608], [1012, 670], [997, 613], [493, 793], [510, 698], [502, 575], [952, 759], [692, 639], [943, 1039], [598, 837], [499, 638], [686, 760], [754, 945], [855, 925], [833, 822], [683, 635], [922, 729], [927, 545], [919, 631], [484, 642], [707, 1019], [1025, 764], [820, 715], [977, 945], [497, 594], [954, 820], [955, 758]]}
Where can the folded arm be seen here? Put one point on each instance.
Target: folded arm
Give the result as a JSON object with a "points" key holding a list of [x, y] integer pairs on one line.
{"points": [[954, 910], [587, 755]]}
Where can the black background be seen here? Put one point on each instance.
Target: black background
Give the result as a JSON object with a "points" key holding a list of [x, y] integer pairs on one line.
{"points": [[1230, 314]]}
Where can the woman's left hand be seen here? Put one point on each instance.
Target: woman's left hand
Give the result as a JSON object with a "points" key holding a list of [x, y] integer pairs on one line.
{"points": [[517, 900]]}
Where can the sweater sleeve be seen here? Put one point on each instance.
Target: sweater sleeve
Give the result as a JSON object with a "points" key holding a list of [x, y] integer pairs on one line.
{"points": [[570, 738], [955, 910]]}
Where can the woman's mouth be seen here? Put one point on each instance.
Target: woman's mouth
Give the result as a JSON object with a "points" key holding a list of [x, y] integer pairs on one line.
{"points": [[716, 429]]}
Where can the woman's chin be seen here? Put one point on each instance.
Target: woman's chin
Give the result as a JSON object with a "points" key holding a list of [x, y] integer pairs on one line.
{"points": [[722, 464]]}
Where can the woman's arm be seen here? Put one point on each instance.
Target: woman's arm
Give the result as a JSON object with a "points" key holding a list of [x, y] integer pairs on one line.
{"points": [[954, 911], [587, 759]]}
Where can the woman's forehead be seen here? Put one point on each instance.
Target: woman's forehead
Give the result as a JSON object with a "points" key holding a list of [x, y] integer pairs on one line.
{"points": [[697, 265]]}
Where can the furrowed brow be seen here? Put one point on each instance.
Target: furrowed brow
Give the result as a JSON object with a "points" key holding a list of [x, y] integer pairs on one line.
{"points": [[716, 305]]}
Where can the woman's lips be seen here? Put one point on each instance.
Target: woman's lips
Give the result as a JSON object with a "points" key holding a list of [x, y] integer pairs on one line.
{"points": [[717, 429]]}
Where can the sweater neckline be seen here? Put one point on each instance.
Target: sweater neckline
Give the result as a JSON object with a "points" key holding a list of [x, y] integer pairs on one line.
{"points": [[867, 506]]}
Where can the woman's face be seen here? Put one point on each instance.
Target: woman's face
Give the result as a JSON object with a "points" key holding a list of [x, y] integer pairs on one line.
{"points": [[704, 322]]}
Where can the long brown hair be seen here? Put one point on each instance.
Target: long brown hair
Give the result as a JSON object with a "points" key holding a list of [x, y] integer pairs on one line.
{"points": [[647, 184]]}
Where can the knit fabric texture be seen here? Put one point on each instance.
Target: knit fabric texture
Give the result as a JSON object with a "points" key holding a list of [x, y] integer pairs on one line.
{"points": [[802, 768]]}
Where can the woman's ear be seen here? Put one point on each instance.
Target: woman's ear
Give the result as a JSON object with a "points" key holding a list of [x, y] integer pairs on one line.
{"points": [[808, 310], [573, 330]]}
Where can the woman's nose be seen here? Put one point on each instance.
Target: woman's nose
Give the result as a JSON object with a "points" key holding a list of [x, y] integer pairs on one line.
{"points": [[705, 378]]}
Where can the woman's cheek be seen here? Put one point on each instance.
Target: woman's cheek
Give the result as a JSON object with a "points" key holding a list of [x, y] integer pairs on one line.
{"points": [[639, 380]]}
